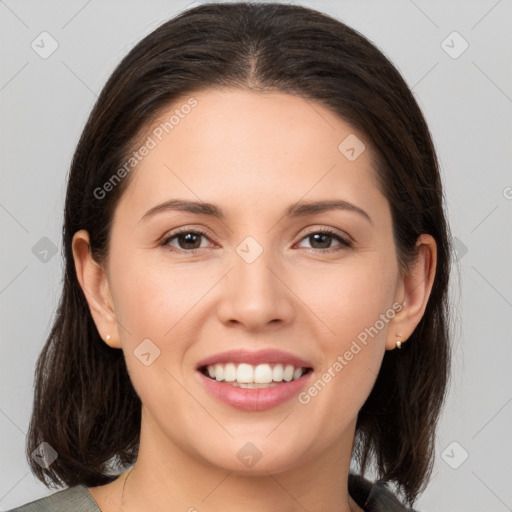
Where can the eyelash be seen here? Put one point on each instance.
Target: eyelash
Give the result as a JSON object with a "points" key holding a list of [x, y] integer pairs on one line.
{"points": [[344, 244]]}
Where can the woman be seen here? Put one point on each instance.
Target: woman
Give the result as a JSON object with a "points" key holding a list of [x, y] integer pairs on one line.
{"points": [[257, 264]]}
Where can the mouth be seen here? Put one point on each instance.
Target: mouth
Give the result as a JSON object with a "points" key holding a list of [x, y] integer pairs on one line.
{"points": [[248, 376], [254, 381]]}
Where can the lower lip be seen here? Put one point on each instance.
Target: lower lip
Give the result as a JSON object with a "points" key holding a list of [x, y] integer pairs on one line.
{"points": [[254, 399]]}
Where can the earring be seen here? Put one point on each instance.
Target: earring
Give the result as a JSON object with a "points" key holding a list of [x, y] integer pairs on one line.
{"points": [[107, 338], [399, 343]]}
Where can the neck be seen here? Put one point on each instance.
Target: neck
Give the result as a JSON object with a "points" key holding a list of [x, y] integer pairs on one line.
{"points": [[167, 476]]}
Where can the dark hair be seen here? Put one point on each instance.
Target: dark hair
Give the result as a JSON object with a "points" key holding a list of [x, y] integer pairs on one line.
{"points": [[85, 406]]}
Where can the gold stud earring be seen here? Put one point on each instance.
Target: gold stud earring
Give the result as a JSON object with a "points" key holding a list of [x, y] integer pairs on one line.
{"points": [[399, 342]]}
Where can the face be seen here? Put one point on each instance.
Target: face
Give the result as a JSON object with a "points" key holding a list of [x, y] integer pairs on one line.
{"points": [[307, 288]]}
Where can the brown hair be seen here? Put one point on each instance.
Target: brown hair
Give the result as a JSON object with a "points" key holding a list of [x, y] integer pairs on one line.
{"points": [[85, 406]]}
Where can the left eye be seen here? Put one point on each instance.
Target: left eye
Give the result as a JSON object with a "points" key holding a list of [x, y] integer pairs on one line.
{"points": [[190, 241], [325, 237]]}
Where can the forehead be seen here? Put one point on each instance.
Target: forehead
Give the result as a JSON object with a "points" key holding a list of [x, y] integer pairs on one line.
{"points": [[251, 150]]}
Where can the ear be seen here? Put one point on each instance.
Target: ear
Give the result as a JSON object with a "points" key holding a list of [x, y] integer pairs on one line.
{"points": [[413, 291], [94, 283]]}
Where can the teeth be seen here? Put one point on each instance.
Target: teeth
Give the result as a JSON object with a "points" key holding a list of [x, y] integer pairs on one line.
{"points": [[219, 372], [297, 373], [288, 373], [230, 372], [248, 376], [244, 373], [263, 374], [252, 385], [277, 373]]}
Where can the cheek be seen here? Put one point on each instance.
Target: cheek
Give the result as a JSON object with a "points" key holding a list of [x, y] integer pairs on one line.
{"points": [[352, 297], [153, 306], [156, 302], [354, 306], [152, 297]]}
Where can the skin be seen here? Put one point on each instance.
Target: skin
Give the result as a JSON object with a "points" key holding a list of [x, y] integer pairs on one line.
{"points": [[251, 154]]}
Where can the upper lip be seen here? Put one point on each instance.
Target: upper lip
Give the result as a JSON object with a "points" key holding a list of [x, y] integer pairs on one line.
{"points": [[270, 356]]}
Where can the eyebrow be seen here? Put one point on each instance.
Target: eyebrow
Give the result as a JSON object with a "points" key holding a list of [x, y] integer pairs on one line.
{"points": [[299, 209]]}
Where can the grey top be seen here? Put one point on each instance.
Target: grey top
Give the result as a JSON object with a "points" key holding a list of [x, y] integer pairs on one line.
{"points": [[77, 499], [371, 497]]}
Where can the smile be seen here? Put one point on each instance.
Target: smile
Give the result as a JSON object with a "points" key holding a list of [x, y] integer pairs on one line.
{"points": [[249, 376], [254, 381]]}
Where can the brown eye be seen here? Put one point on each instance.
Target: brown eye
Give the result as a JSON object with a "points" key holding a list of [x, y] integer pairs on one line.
{"points": [[188, 241], [322, 240]]}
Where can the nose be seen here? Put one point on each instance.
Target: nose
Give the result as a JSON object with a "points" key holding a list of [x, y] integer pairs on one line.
{"points": [[255, 294]]}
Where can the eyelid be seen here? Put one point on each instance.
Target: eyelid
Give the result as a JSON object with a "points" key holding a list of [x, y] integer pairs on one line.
{"points": [[345, 241], [330, 230], [184, 230]]}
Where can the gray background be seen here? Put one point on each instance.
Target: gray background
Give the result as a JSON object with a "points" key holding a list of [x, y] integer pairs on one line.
{"points": [[467, 100]]}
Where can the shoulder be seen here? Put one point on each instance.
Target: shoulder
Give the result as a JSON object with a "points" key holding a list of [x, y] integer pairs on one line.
{"points": [[75, 498], [374, 497]]}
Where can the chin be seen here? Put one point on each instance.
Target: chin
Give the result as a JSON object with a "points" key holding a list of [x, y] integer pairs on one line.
{"points": [[253, 458]]}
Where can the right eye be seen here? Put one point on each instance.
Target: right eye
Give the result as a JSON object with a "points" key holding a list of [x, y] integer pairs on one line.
{"points": [[187, 238]]}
